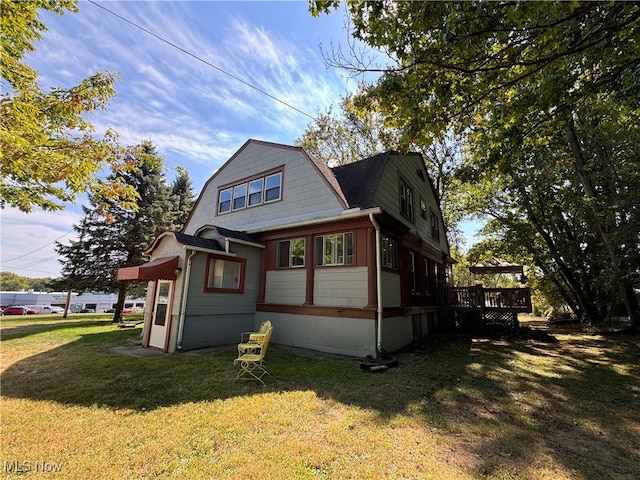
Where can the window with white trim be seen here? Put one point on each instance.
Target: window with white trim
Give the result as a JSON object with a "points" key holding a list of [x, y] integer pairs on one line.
{"points": [[291, 253], [224, 200], [240, 196], [389, 253], [406, 200], [412, 271], [257, 191], [256, 188], [273, 187], [427, 276], [336, 249]]}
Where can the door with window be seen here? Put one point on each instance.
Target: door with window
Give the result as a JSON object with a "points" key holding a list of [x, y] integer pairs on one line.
{"points": [[161, 313]]}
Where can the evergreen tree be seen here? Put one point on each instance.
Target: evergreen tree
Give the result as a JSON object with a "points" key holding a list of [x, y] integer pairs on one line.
{"points": [[105, 245], [183, 198]]}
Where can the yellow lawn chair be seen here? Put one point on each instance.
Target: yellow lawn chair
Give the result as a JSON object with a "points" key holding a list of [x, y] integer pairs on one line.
{"points": [[250, 341], [251, 362]]}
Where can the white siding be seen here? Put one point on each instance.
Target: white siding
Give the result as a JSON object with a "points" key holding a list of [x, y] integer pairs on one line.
{"points": [[305, 194], [340, 287], [286, 286]]}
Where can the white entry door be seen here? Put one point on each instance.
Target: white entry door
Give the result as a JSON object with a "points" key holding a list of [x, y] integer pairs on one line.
{"points": [[161, 314]]}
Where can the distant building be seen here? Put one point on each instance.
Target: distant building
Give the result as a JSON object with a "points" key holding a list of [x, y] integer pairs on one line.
{"points": [[98, 302]]}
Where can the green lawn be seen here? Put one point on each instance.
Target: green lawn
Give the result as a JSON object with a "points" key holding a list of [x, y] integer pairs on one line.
{"points": [[456, 407]]}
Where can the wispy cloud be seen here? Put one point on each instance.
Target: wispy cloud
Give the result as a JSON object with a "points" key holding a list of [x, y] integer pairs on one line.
{"points": [[195, 114]]}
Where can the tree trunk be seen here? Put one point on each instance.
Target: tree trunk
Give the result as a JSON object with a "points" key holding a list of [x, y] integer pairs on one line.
{"points": [[122, 295], [626, 289]]}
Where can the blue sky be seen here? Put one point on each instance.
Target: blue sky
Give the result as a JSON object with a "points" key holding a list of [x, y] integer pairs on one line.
{"points": [[196, 115]]}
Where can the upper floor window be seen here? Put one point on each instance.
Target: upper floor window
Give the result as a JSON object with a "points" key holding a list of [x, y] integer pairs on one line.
{"points": [[389, 253], [406, 200], [423, 208], [334, 249], [225, 275], [435, 226], [274, 185], [291, 253], [264, 189]]}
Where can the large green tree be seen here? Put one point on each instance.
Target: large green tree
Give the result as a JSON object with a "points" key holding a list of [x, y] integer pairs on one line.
{"points": [[48, 151], [537, 88], [106, 244], [357, 131]]}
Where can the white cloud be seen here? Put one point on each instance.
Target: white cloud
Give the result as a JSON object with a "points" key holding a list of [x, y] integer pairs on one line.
{"points": [[28, 240]]}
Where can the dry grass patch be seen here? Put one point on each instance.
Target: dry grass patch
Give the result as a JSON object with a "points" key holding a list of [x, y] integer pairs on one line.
{"points": [[505, 408]]}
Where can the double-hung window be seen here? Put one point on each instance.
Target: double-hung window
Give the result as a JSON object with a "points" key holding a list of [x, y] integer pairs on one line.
{"points": [[336, 249], [240, 196], [435, 226], [273, 187], [255, 191], [224, 200], [389, 253], [224, 275], [427, 276], [291, 253], [406, 200], [412, 271], [249, 193]]}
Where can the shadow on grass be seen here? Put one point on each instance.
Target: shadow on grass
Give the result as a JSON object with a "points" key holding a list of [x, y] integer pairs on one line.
{"points": [[512, 400]]}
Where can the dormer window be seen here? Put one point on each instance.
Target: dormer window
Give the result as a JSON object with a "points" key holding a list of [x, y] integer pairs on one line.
{"points": [[255, 191]]}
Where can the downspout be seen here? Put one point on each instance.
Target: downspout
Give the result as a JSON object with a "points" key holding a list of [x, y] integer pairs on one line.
{"points": [[384, 359], [378, 283], [183, 299]]}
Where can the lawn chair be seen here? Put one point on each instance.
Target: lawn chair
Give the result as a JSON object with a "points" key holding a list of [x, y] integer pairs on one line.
{"points": [[250, 341], [252, 362]]}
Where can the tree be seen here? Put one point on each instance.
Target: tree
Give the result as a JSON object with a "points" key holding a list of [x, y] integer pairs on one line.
{"points": [[358, 131], [48, 151], [182, 197], [105, 245], [13, 282], [518, 79]]}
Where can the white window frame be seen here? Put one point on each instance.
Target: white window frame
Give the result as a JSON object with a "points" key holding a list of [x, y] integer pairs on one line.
{"points": [[335, 249], [223, 203], [412, 270], [250, 193], [286, 256], [406, 200], [389, 253]]}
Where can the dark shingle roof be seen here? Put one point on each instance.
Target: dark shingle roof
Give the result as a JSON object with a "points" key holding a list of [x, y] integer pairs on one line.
{"points": [[359, 180], [199, 242], [225, 232]]}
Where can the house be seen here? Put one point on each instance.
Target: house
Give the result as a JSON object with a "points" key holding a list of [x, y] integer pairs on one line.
{"points": [[343, 260]]}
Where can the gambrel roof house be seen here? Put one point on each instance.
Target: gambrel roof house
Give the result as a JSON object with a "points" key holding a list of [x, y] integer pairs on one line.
{"points": [[343, 260]]}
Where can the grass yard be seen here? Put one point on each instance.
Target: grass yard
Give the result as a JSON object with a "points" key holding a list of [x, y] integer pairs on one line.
{"points": [[517, 408]]}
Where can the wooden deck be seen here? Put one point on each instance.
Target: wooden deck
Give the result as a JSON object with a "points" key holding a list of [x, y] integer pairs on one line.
{"points": [[477, 309]]}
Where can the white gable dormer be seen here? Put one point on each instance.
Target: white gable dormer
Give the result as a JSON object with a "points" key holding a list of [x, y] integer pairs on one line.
{"points": [[265, 185]]}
